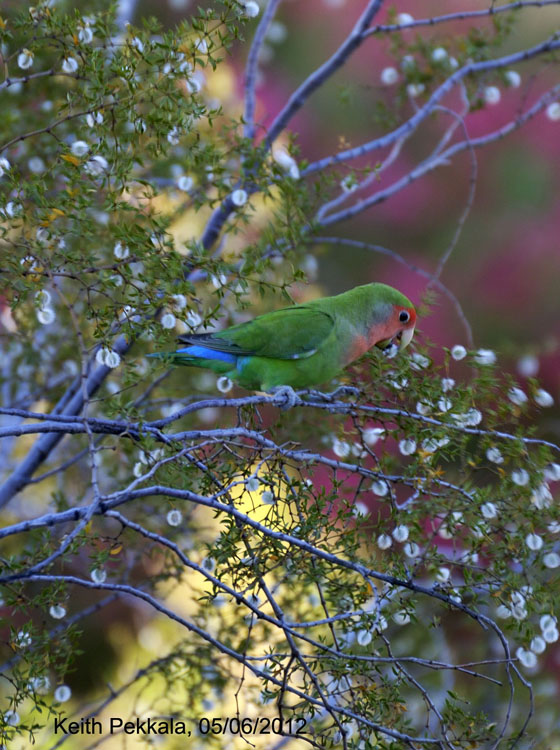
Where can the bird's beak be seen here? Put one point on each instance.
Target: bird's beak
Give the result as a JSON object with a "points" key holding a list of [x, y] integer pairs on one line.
{"points": [[406, 338]]}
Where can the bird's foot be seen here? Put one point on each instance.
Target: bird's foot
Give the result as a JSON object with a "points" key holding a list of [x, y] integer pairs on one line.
{"points": [[285, 397]]}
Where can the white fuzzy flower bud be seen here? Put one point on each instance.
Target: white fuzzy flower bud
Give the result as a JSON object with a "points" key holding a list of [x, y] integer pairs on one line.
{"points": [[400, 533], [46, 316], [98, 575], [439, 54], [528, 366], [25, 59], [513, 78], [12, 718], [404, 19], [251, 9], [423, 408], [492, 95], [79, 148], [485, 357], [201, 45], [551, 560], [185, 183], [193, 319], [543, 398], [552, 111], [444, 404], [419, 361], [538, 645], [62, 694], [443, 575], [458, 352], [547, 622], [520, 477], [527, 658], [341, 448], [542, 497], [267, 498], [364, 637], [534, 542], [384, 541], [174, 517], [121, 251], [224, 384], [415, 89], [372, 434], [239, 197], [401, 618], [137, 44], [252, 484], [407, 447], [493, 454], [489, 510], [57, 611], [411, 549], [389, 76], [408, 62], [70, 65], [552, 472], [517, 396], [96, 165], [380, 488], [550, 635], [168, 320], [447, 384], [85, 34]]}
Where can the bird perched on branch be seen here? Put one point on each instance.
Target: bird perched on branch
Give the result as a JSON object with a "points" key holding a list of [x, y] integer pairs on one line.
{"points": [[303, 345]]}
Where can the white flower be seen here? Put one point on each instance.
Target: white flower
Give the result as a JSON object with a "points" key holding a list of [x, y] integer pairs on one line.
{"points": [[360, 509], [137, 44], [447, 384], [493, 454], [404, 19], [364, 637], [542, 496], [98, 575], [439, 54], [193, 319], [174, 517], [341, 448], [517, 396], [372, 434], [407, 447], [453, 63], [224, 384], [520, 477], [534, 541], [46, 316], [348, 184], [62, 694], [408, 62], [550, 635], [415, 89], [96, 165], [538, 645], [552, 472], [443, 575], [12, 718], [179, 301], [503, 612], [121, 251], [485, 357], [239, 197], [57, 611], [527, 658], [554, 527], [168, 320], [470, 419], [411, 549], [380, 488], [195, 82], [85, 34], [528, 366], [251, 9], [547, 622], [70, 65], [551, 560], [401, 618], [286, 162], [400, 533], [40, 685], [277, 32], [389, 76], [513, 78], [138, 469], [108, 357], [552, 111], [4, 165], [543, 398], [492, 95], [25, 59], [218, 281], [252, 484], [79, 148], [23, 638], [423, 408], [444, 404], [419, 361], [384, 541], [489, 510], [185, 183], [267, 498]]}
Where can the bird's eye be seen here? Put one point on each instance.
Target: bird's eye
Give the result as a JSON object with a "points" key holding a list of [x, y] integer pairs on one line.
{"points": [[404, 317]]}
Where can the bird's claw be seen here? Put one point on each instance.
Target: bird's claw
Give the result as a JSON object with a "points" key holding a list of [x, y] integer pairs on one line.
{"points": [[285, 397]]}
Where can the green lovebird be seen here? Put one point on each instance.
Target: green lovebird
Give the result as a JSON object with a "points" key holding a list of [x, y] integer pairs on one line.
{"points": [[303, 345]]}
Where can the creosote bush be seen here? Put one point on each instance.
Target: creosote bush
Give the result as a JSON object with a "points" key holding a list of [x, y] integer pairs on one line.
{"points": [[375, 566]]}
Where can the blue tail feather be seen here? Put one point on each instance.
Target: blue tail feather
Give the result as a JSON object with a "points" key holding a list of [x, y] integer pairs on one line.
{"points": [[201, 352]]}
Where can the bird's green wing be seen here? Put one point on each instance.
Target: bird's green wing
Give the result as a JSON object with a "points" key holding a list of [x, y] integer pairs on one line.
{"points": [[292, 333]]}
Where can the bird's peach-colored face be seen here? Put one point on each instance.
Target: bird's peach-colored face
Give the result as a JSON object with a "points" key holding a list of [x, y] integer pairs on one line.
{"points": [[399, 329]]}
